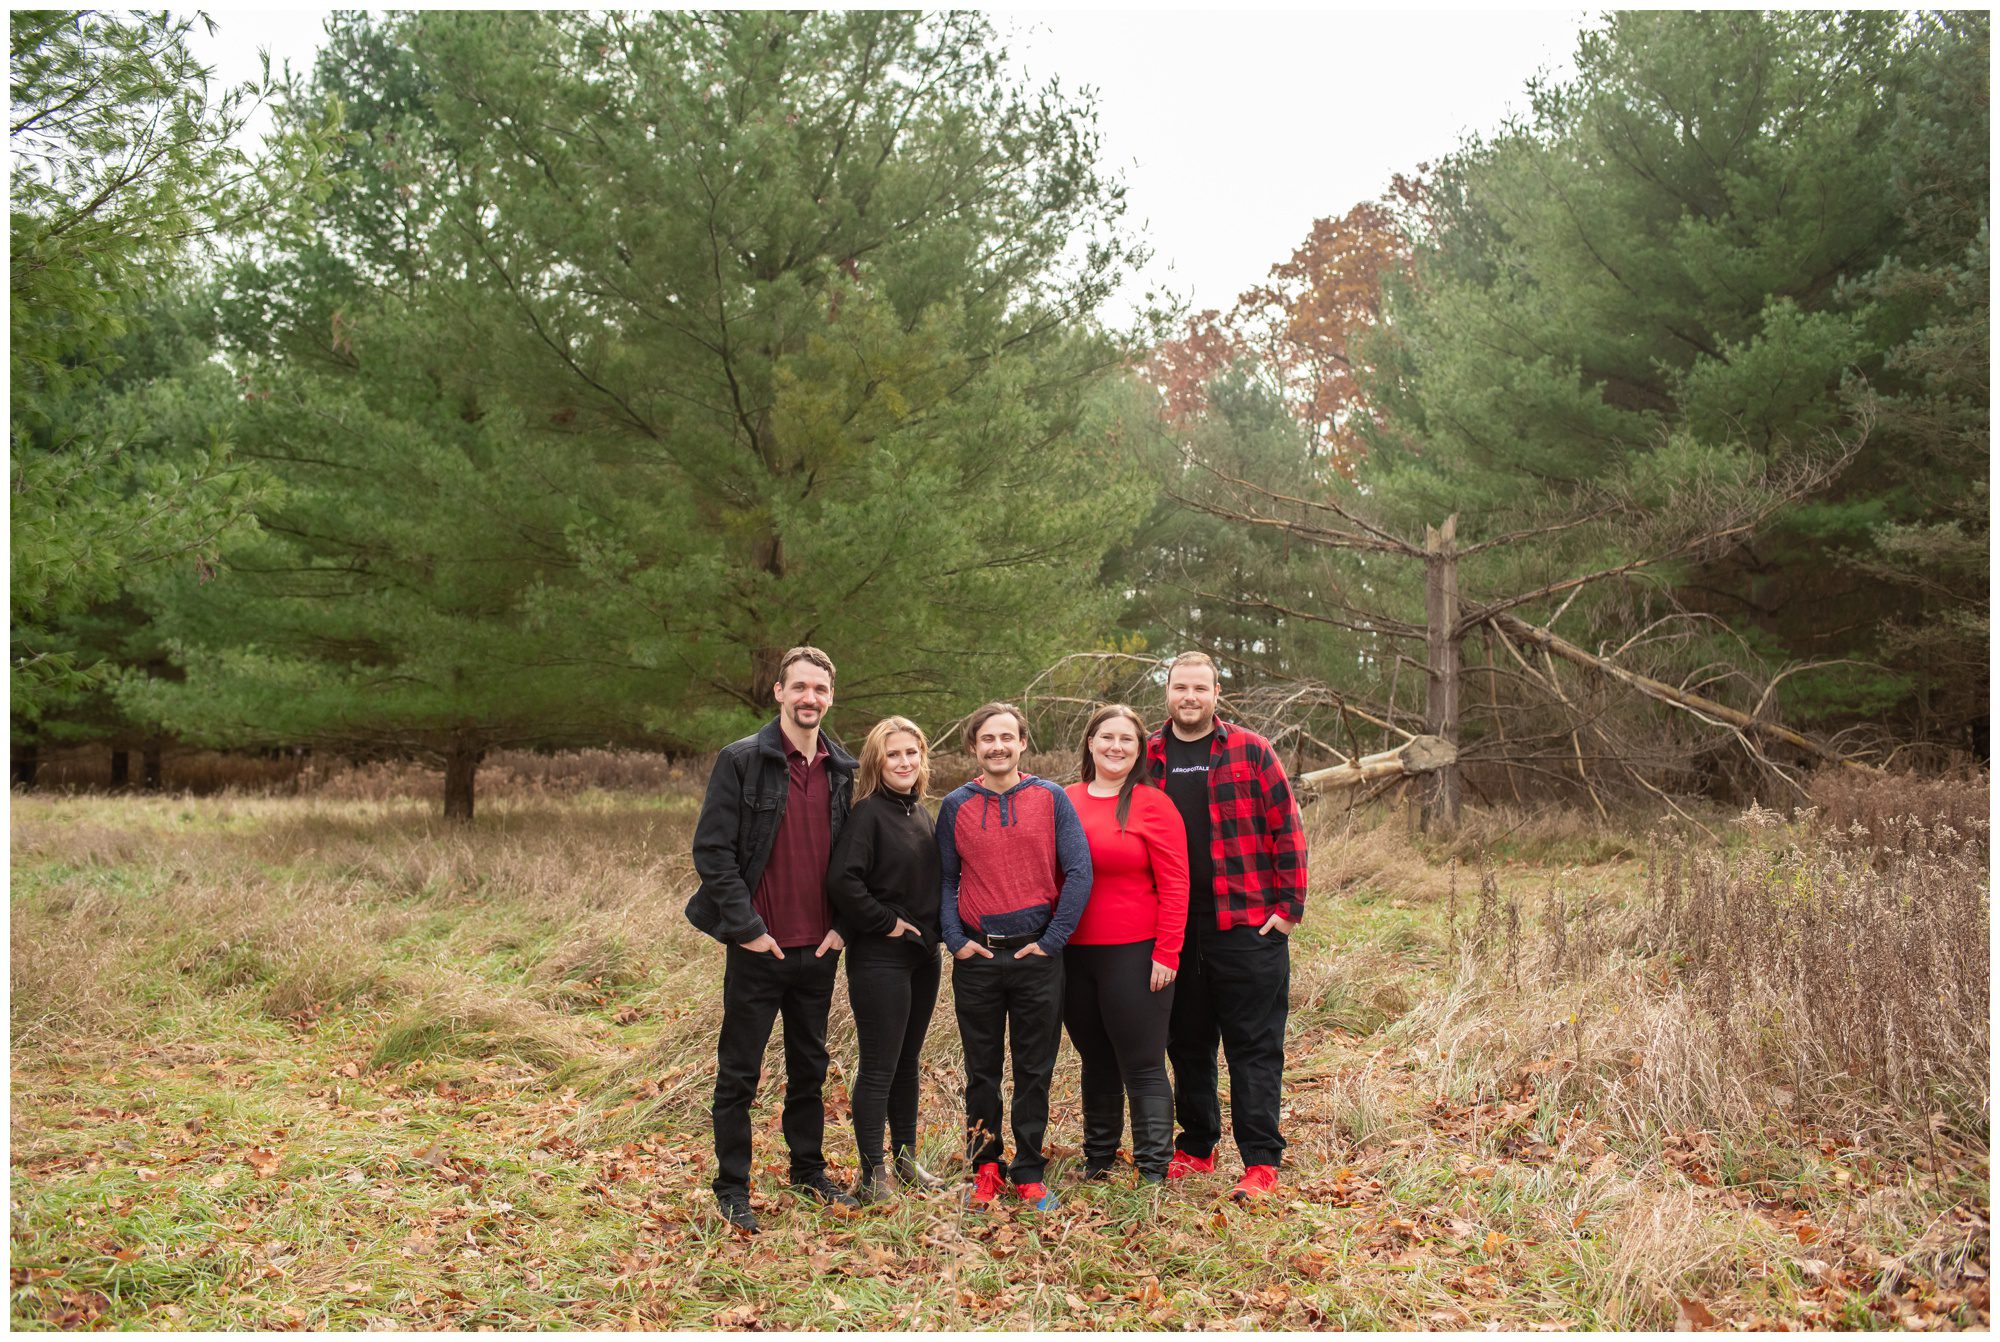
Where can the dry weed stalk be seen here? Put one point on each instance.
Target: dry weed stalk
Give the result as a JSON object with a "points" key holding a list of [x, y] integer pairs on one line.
{"points": [[1832, 972], [1837, 969]]}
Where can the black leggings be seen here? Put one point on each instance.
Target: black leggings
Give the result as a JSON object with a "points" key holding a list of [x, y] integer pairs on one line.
{"points": [[892, 983], [1117, 1023]]}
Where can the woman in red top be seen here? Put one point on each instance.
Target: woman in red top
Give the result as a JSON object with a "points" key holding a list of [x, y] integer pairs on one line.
{"points": [[1119, 966]]}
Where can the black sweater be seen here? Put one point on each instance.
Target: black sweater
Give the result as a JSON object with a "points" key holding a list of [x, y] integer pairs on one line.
{"points": [[884, 866]]}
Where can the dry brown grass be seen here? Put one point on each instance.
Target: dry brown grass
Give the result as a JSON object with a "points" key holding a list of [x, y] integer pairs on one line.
{"points": [[302, 902], [1542, 833], [1669, 1244], [507, 1031], [1794, 974], [1834, 973], [504, 773], [465, 1018], [512, 774], [1896, 813], [1369, 849]]}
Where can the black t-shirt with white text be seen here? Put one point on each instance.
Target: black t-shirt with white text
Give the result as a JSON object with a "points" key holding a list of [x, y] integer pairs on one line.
{"points": [[1187, 785]]}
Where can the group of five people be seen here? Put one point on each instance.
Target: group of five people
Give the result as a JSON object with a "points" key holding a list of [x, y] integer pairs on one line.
{"points": [[1147, 908]]}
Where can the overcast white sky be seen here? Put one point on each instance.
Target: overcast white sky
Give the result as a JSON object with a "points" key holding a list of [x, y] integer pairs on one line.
{"points": [[1234, 131]]}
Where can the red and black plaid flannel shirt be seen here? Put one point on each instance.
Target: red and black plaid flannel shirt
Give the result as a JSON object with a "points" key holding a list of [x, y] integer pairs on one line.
{"points": [[1254, 832]]}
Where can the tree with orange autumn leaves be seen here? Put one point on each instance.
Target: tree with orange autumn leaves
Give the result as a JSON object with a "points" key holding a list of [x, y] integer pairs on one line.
{"points": [[1304, 327], [1269, 392]]}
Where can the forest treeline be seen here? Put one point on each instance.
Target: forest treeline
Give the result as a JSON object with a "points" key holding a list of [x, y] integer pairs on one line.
{"points": [[542, 376]]}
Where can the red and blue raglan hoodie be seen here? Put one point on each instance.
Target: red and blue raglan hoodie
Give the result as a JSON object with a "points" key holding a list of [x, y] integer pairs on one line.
{"points": [[1015, 863]]}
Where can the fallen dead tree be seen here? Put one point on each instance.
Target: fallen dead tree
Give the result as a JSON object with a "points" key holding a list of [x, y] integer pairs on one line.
{"points": [[1418, 755], [1532, 727], [1705, 708]]}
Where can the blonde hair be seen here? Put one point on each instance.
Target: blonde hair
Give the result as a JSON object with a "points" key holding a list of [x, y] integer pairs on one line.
{"points": [[875, 753]]}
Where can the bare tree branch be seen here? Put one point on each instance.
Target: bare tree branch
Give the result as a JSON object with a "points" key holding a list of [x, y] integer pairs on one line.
{"points": [[1707, 709]]}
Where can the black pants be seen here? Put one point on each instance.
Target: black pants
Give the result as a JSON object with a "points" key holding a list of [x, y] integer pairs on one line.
{"points": [[1234, 988], [756, 990], [1117, 1023], [892, 983], [993, 999]]}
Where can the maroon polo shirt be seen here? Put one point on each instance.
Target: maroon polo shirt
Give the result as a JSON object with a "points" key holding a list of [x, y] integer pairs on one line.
{"points": [[791, 894]]}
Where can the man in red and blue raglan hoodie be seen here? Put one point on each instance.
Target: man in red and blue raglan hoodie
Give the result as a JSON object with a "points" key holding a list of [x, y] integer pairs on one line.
{"points": [[1246, 892], [1016, 878]]}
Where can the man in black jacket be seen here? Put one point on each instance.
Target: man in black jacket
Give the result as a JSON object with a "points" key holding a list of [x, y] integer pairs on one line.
{"points": [[775, 802]]}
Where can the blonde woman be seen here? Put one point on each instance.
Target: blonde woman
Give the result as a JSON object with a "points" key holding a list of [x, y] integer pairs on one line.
{"points": [[883, 878]]}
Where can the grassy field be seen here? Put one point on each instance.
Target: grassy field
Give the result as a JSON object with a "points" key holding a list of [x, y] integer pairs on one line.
{"points": [[324, 1063]]}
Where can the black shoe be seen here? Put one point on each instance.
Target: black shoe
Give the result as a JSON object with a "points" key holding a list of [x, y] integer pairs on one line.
{"points": [[823, 1191], [914, 1177], [736, 1211], [1152, 1136]]}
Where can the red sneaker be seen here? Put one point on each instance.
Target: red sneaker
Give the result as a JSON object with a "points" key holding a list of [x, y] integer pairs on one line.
{"points": [[1037, 1196], [986, 1185], [1183, 1164], [1257, 1181]]}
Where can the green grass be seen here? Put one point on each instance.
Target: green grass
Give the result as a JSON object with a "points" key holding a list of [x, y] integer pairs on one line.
{"points": [[283, 1064]]}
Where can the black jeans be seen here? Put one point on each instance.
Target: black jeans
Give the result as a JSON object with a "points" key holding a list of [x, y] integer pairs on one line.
{"points": [[992, 999], [892, 983], [756, 990], [1117, 1023], [1234, 988]]}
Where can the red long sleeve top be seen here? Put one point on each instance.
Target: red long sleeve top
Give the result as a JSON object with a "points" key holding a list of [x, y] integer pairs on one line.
{"points": [[1139, 878]]}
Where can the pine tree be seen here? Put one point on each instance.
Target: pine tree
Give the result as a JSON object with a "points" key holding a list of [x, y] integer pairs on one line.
{"points": [[126, 168], [1644, 298], [633, 349], [1931, 401]]}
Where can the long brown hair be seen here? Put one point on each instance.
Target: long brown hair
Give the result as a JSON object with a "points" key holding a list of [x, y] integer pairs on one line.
{"points": [[875, 753], [1098, 719]]}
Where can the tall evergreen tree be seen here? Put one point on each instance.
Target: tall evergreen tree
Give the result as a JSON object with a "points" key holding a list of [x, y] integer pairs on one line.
{"points": [[125, 166], [827, 278], [1645, 298], [1931, 401], [695, 336]]}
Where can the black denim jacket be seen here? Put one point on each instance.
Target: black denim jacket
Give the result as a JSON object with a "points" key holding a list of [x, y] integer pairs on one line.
{"points": [[739, 825]]}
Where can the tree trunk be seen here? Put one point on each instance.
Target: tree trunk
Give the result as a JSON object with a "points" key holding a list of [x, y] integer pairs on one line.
{"points": [[764, 674], [461, 765], [768, 554], [1441, 805], [24, 762], [1418, 755], [149, 766], [121, 767]]}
